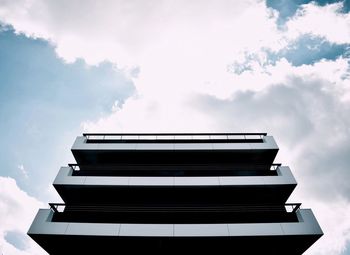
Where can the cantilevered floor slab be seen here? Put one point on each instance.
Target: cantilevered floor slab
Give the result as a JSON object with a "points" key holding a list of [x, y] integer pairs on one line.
{"points": [[259, 154], [154, 190], [104, 238]]}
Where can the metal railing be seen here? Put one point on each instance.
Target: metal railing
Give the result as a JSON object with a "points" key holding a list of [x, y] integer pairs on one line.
{"points": [[274, 166], [173, 136], [76, 167], [241, 208], [292, 207], [57, 207]]}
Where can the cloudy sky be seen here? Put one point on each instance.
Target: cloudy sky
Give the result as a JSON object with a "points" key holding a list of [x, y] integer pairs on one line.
{"points": [[276, 66]]}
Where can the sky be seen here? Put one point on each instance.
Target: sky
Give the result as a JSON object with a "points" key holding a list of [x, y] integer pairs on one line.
{"points": [[68, 67]]}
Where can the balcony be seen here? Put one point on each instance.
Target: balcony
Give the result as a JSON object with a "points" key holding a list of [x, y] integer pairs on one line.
{"points": [[273, 188], [243, 149], [246, 238]]}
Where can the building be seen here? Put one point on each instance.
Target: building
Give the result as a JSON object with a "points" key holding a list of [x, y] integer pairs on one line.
{"points": [[171, 193]]}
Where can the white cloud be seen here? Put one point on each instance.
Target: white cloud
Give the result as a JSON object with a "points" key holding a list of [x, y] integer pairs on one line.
{"points": [[166, 111], [323, 21], [181, 47], [124, 31], [17, 211]]}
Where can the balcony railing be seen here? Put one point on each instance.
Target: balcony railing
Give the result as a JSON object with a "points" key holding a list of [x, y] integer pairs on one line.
{"points": [[77, 167], [175, 213], [170, 170], [275, 166], [175, 137], [289, 208]]}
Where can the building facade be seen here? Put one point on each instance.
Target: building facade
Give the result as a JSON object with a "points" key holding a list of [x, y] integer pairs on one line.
{"points": [[171, 193]]}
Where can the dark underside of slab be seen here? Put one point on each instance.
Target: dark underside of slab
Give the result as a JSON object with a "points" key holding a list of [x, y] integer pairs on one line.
{"points": [[58, 244]]}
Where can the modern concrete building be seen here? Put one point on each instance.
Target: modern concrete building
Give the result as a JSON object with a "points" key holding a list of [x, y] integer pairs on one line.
{"points": [[171, 193]]}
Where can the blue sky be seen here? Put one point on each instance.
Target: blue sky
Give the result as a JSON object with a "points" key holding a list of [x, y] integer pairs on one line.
{"points": [[43, 102], [123, 66], [307, 50], [287, 8]]}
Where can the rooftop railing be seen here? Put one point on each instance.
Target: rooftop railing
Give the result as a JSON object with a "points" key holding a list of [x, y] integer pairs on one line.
{"points": [[173, 136]]}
